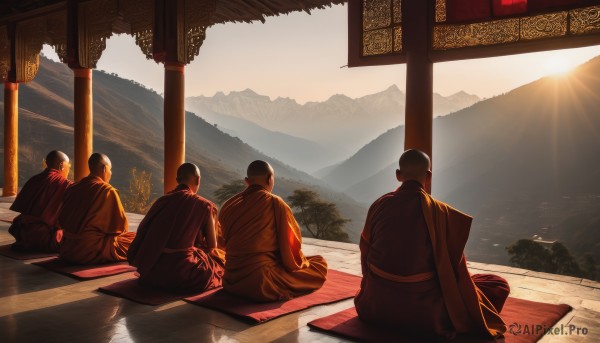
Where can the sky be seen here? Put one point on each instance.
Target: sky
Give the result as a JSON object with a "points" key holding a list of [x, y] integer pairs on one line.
{"points": [[301, 56]]}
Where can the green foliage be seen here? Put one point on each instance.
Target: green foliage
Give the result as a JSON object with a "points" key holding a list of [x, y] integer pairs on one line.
{"points": [[228, 190], [556, 259], [588, 266], [321, 219], [528, 254], [562, 262], [137, 199]]}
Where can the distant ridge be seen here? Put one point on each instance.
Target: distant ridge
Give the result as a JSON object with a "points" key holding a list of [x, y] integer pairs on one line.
{"points": [[340, 123], [128, 126], [523, 163]]}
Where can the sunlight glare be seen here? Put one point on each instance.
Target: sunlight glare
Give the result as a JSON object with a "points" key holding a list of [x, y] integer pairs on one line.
{"points": [[557, 66]]}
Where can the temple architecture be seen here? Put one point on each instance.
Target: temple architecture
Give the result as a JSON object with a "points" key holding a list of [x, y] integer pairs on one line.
{"points": [[39, 305], [416, 32], [420, 33], [170, 32]]}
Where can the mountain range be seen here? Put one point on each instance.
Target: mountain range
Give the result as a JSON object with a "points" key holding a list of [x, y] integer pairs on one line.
{"points": [[523, 163], [312, 136], [128, 128]]}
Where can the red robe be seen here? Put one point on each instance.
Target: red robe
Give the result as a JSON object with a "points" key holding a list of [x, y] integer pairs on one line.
{"points": [[170, 250], [414, 271], [263, 243], [94, 224], [39, 202]]}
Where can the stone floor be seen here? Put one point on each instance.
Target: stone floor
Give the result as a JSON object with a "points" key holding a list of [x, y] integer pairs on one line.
{"points": [[37, 305]]}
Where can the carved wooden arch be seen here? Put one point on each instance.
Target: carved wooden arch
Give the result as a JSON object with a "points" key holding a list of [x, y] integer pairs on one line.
{"points": [[97, 21], [31, 35]]}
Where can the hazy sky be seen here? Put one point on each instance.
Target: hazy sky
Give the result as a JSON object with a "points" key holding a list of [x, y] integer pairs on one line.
{"points": [[300, 55]]}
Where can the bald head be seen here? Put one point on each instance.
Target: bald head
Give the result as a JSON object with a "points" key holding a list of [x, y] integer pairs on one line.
{"points": [[414, 165], [100, 166], [260, 173], [259, 168], [187, 172], [56, 159]]}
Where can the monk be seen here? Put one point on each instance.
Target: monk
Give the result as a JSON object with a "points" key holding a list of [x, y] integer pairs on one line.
{"points": [[39, 203], [176, 245], [414, 271], [263, 241], [93, 219]]}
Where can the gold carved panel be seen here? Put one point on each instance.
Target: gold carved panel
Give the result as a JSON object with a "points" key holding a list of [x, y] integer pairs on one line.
{"points": [[56, 30], [96, 18], [198, 16], [4, 53], [381, 27], [469, 35], [440, 11], [376, 14], [139, 14], [377, 42], [397, 11], [30, 35], [544, 26], [585, 20], [397, 39]]}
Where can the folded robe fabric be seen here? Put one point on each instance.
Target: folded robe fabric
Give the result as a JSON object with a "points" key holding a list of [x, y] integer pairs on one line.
{"points": [[170, 249], [94, 224], [39, 203], [263, 246]]}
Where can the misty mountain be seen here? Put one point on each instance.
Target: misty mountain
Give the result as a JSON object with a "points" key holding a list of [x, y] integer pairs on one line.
{"points": [[363, 118], [128, 126], [301, 153], [524, 163]]}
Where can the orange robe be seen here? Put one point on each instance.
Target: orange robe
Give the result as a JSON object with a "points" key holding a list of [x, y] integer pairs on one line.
{"points": [[263, 244], [170, 250], [414, 271], [94, 224], [39, 203]]}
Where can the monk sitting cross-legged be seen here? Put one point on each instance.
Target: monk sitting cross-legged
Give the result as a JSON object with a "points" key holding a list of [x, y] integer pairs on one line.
{"points": [[263, 241], [175, 247], [39, 203], [93, 219], [414, 271]]}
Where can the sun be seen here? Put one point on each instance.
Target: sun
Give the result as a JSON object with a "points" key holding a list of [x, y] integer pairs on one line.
{"points": [[557, 66]]}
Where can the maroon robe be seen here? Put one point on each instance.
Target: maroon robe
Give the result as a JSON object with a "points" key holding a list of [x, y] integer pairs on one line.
{"points": [[420, 282], [94, 224], [39, 203], [170, 249]]}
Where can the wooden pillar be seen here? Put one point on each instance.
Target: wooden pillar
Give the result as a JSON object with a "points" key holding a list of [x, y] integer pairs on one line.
{"points": [[418, 130], [174, 122], [11, 139], [83, 126]]}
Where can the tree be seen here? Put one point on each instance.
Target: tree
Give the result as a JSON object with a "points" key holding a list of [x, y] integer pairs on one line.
{"points": [[528, 254], [588, 266], [557, 259], [228, 190], [321, 219], [137, 199], [562, 262]]}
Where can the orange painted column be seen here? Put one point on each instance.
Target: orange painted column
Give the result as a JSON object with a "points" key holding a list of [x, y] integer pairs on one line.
{"points": [[83, 126], [418, 129], [11, 139], [174, 122]]}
